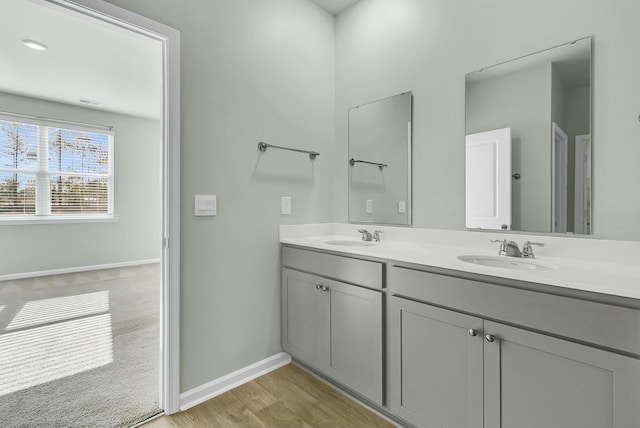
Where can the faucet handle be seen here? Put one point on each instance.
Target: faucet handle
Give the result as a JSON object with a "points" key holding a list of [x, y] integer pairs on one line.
{"points": [[376, 235], [366, 235], [503, 246], [527, 251]]}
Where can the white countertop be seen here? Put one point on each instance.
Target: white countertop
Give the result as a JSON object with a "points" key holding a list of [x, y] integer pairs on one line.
{"points": [[605, 276]]}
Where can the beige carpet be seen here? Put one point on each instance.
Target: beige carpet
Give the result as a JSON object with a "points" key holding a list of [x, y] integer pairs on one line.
{"points": [[80, 350]]}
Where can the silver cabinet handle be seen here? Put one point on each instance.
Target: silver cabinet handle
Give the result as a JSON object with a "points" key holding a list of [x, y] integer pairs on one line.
{"points": [[473, 332], [490, 338], [325, 288], [318, 286]]}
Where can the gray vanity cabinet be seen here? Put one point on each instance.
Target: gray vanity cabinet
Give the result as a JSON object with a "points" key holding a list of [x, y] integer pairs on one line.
{"points": [[304, 318], [333, 326], [436, 365], [533, 380], [449, 369]]}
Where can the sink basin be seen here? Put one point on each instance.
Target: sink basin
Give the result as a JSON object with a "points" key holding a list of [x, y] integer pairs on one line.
{"points": [[505, 262], [352, 243]]}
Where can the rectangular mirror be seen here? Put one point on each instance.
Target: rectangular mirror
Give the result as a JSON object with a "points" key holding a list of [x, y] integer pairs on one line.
{"points": [[528, 142], [380, 161]]}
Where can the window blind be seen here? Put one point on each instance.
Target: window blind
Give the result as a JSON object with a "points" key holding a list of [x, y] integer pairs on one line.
{"points": [[53, 171]]}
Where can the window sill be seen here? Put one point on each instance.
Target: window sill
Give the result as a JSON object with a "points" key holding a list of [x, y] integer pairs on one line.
{"points": [[13, 221]]}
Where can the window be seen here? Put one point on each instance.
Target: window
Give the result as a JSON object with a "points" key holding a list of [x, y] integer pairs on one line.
{"points": [[53, 172]]}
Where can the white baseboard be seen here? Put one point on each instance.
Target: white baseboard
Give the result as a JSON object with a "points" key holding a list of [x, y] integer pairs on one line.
{"points": [[13, 276], [221, 385]]}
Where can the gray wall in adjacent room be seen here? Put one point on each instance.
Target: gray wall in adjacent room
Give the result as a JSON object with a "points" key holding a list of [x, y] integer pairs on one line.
{"points": [[135, 236]]}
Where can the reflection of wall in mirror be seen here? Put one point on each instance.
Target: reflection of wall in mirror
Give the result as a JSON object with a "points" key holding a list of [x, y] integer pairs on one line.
{"points": [[520, 101], [529, 101], [379, 132], [570, 109]]}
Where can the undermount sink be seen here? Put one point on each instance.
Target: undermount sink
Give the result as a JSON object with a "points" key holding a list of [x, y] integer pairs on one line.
{"points": [[352, 243], [505, 262]]}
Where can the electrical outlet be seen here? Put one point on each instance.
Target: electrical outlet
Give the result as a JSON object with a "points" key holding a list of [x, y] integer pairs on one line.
{"points": [[402, 207], [286, 205], [369, 206]]}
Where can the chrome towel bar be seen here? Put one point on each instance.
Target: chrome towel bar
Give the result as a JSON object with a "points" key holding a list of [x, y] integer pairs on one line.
{"points": [[352, 162], [263, 148]]}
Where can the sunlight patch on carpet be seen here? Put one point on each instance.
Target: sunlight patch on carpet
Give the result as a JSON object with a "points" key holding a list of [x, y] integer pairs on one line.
{"points": [[37, 312], [42, 354]]}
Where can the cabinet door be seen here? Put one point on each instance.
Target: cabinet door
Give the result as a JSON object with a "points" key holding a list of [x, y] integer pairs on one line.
{"points": [[533, 381], [355, 358], [436, 366], [304, 317]]}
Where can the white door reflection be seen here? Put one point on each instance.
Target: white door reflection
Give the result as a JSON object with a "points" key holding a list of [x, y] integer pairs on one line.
{"points": [[488, 179]]}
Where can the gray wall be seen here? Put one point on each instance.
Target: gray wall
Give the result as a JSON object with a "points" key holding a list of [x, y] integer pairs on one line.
{"points": [[134, 237], [427, 46], [252, 70]]}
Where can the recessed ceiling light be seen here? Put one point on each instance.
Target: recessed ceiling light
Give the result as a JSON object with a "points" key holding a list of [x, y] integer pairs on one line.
{"points": [[92, 102], [34, 44]]}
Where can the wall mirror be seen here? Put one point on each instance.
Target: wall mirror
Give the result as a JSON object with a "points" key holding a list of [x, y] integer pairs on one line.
{"points": [[380, 161], [528, 142]]}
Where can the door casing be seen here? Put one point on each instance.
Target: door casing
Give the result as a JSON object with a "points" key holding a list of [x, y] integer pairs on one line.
{"points": [[170, 239]]}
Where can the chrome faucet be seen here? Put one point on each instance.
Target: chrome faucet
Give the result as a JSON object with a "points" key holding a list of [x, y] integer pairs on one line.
{"points": [[510, 248], [368, 236]]}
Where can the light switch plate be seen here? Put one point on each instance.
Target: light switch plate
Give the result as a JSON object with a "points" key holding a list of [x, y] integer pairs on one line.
{"points": [[402, 207], [206, 205], [286, 205]]}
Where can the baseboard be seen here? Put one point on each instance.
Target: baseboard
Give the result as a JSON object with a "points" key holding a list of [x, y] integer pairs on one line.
{"points": [[221, 385], [14, 276]]}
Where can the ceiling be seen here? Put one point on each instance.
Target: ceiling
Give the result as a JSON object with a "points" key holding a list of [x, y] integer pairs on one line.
{"points": [[85, 60], [334, 7], [112, 68]]}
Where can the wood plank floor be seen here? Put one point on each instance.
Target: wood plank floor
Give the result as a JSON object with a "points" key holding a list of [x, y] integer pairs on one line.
{"points": [[287, 397]]}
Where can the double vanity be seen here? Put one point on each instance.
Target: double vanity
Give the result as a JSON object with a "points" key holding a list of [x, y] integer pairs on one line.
{"points": [[435, 329]]}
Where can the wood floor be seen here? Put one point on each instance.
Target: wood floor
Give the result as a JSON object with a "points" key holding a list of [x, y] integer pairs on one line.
{"points": [[287, 397]]}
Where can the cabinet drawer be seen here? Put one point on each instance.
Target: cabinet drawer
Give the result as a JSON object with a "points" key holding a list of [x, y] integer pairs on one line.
{"points": [[361, 272], [602, 324]]}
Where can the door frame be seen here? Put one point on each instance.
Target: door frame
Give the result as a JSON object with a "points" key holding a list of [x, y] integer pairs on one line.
{"points": [[559, 171], [582, 191], [170, 239]]}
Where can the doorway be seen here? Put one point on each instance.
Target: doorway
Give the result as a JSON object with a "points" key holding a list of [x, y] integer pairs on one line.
{"points": [[167, 236]]}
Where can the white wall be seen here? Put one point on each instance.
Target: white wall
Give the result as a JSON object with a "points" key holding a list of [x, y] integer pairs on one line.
{"points": [[134, 237], [252, 70], [427, 46]]}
